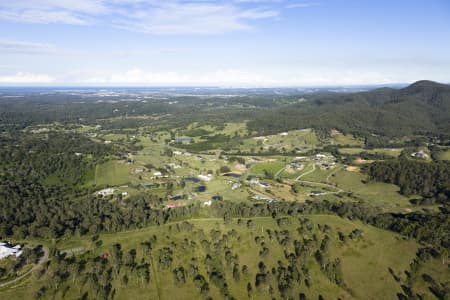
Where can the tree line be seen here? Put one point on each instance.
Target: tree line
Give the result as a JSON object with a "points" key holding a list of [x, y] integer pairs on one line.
{"points": [[428, 179]]}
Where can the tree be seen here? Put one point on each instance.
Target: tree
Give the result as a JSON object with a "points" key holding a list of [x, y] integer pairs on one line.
{"points": [[146, 248], [245, 270], [165, 257], [236, 273], [250, 224], [224, 169], [130, 258], [124, 280], [41, 292], [179, 276], [249, 289], [227, 218]]}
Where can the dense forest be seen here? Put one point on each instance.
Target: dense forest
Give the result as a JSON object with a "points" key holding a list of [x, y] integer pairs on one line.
{"points": [[38, 172], [421, 108], [51, 159]]}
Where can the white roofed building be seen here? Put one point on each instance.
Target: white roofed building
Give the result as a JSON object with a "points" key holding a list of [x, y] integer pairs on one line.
{"points": [[205, 177], [8, 250], [106, 192]]}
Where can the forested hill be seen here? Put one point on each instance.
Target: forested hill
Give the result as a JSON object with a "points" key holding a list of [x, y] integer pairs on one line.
{"points": [[421, 108]]}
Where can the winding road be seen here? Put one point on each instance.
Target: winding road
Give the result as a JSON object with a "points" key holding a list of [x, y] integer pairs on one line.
{"points": [[338, 190], [41, 261], [306, 173], [328, 184]]}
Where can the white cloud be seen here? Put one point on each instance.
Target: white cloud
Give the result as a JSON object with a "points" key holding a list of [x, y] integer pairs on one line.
{"points": [[19, 47], [302, 5], [148, 16], [258, 1], [44, 17], [82, 6], [173, 18], [259, 14], [74, 12], [26, 78]]}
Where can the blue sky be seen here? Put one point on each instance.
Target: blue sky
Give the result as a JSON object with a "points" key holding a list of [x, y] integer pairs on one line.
{"points": [[225, 43]]}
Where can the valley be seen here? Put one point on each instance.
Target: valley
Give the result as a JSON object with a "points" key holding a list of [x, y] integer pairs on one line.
{"points": [[186, 205]]}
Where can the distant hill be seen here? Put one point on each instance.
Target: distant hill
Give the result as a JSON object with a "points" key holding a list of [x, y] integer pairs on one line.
{"points": [[424, 85], [420, 108]]}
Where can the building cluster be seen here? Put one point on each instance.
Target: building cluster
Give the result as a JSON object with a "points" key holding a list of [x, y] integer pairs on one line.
{"points": [[324, 161]]}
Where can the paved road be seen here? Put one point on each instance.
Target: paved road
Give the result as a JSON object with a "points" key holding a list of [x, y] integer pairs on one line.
{"points": [[41, 261]]}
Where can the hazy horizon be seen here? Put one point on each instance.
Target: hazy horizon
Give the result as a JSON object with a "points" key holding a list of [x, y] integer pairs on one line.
{"points": [[168, 86]]}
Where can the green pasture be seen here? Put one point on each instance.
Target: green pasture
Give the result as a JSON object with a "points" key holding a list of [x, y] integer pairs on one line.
{"points": [[318, 175], [270, 167], [341, 139], [394, 152], [112, 173], [444, 155], [384, 194]]}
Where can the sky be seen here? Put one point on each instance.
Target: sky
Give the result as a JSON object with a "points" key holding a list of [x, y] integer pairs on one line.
{"points": [[223, 43]]}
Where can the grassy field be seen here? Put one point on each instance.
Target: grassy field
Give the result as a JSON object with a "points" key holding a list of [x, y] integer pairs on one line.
{"points": [[319, 175], [383, 194], [90, 177], [391, 152], [377, 251], [437, 270], [115, 137], [297, 138], [350, 151], [193, 130], [233, 128], [303, 139], [112, 173], [271, 167], [444, 155], [222, 187], [341, 139]]}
